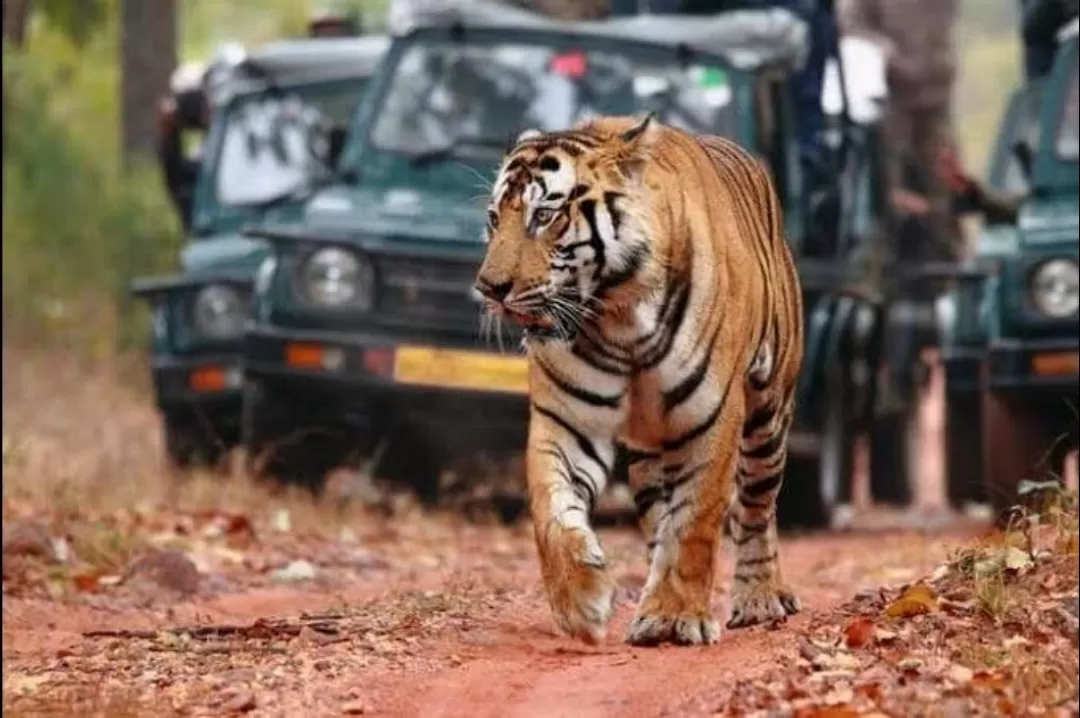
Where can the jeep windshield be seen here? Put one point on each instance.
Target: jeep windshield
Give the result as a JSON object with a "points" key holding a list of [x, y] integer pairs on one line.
{"points": [[275, 144], [473, 95]]}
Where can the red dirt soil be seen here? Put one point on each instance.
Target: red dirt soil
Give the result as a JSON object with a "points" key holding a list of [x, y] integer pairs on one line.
{"points": [[433, 617]]}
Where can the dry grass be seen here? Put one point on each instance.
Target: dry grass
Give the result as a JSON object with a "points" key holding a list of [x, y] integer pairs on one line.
{"points": [[83, 441]]}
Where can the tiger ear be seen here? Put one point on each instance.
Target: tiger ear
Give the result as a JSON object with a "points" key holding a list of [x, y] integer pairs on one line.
{"points": [[635, 144], [529, 134], [643, 131]]}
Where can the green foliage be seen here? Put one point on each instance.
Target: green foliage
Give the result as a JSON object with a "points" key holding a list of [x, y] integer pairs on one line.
{"points": [[77, 227], [78, 21]]}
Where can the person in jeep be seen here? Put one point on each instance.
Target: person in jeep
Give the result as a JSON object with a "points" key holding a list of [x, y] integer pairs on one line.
{"points": [[182, 110]]}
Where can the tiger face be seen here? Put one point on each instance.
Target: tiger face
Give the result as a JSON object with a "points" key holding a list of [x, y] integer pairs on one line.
{"points": [[561, 234]]}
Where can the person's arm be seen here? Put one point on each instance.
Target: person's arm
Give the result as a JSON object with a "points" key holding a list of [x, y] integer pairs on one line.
{"points": [[995, 207]]}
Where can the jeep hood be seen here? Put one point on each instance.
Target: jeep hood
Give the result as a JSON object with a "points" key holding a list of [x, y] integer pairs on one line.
{"points": [[397, 212], [1049, 220], [223, 253]]}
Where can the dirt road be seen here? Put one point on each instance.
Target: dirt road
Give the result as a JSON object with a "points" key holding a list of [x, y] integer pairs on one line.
{"points": [[457, 628], [128, 595]]}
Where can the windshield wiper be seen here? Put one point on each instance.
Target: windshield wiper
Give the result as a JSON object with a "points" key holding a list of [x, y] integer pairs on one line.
{"points": [[453, 149]]}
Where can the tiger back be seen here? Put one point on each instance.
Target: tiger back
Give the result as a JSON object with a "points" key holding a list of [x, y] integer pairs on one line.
{"points": [[661, 310]]}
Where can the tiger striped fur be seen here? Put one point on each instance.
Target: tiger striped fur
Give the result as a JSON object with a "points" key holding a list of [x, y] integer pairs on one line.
{"points": [[662, 311]]}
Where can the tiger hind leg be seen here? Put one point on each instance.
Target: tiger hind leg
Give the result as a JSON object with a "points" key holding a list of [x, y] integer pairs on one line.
{"points": [[759, 594]]}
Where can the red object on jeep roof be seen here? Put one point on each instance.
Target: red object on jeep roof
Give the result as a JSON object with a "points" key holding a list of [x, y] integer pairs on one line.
{"points": [[570, 64]]}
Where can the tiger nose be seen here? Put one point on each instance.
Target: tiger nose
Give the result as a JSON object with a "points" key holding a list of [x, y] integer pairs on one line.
{"points": [[494, 292]]}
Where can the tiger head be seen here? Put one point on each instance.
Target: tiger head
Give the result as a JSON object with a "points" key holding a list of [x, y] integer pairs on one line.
{"points": [[565, 226]]}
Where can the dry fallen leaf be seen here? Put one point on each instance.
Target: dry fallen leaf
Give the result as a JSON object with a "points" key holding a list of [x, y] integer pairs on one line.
{"points": [[86, 582], [859, 632], [917, 599], [827, 712]]}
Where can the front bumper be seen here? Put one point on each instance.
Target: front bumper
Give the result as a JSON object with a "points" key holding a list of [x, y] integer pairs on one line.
{"points": [[211, 384], [1045, 364], [374, 379]]}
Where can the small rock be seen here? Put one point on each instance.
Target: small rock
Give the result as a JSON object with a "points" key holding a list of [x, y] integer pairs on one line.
{"points": [[354, 708], [172, 570], [281, 521], [29, 538], [241, 702], [322, 665], [298, 570], [961, 675]]}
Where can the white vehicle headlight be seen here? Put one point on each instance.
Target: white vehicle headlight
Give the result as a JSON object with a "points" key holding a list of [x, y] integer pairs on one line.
{"points": [[335, 277], [1055, 288], [219, 312]]}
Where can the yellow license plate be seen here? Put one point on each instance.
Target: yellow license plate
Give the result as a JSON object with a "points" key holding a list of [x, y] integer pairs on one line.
{"points": [[450, 369], [1056, 364]]}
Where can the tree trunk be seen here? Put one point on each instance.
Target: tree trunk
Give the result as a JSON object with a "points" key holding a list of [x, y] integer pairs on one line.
{"points": [[16, 16], [147, 58]]}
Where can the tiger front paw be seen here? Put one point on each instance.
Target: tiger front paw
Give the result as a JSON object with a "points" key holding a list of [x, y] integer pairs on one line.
{"points": [[579, 588], [689, 629], [754, 604]]}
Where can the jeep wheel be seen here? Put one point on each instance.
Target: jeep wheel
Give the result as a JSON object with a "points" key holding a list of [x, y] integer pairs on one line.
{"points": [[1018, 444], [412, 459], [802, 503], [191, 441], [284, 440], [963, 449]]}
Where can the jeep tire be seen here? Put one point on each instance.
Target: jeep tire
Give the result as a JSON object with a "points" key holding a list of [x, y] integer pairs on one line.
{"points": [[963, 449], [1019, 442], [284, 439], [191, 440]]}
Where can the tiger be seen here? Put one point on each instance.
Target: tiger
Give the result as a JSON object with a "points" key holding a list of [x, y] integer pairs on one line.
{"points": [[661, 314]]}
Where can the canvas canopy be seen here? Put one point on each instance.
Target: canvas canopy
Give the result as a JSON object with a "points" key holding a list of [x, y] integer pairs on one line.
{"points": [[288, 62], [747, 39]]}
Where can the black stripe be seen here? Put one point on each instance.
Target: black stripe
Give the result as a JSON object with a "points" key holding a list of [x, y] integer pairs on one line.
{"points": [[633, 456], [579, 191], [696, 431], [584, 395], [630, 269], [568, 249], [588, 210], [610, 199], [579, 480], [648, 497], [761, 487], [614, 367], [759, 419], [684, 478], [671, 295], [767, 448], [748, 562], [583, 442], [682, 391], [671, 328], [676, 508]]}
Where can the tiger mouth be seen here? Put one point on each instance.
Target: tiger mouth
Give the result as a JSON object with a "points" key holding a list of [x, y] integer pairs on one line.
{"points": [[532, 322]]}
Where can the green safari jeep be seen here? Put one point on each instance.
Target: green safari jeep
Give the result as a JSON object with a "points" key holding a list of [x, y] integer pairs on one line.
{"points": [[1012, 330], [279, 119], [366, 328]]}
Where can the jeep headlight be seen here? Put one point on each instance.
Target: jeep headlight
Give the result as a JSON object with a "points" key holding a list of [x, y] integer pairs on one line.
{"points": [[1055, 288], [219, 312], [335, 277]]}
